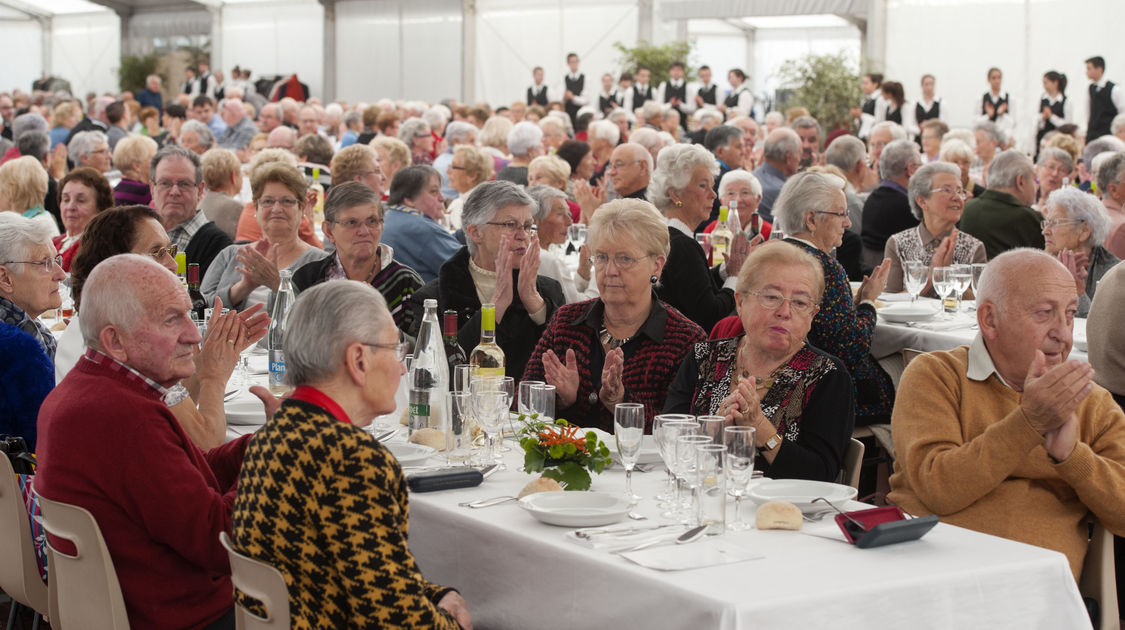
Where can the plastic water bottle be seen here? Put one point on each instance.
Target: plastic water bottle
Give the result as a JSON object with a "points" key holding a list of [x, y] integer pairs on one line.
{"points": [[282, 302], [429, 375]]}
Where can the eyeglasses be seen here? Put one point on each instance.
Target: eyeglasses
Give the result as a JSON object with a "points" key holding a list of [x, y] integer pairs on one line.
{"points": [[513, 226], [951, 191], [353, 224], [46, 264], [835, 214], [286, 202], [1054, 223], [771, 300], [624, 262], [456, 168], [160, 251], [183, 184], [99, 152], [620, 165], [400, 347]]}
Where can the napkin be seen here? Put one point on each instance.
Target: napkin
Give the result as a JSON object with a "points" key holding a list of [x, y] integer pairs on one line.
{"points": [[697, 555], [942, 326]]}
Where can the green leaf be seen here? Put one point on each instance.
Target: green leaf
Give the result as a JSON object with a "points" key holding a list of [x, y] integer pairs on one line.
{"points": [[656, 58], [571, 475], [533, 460]]}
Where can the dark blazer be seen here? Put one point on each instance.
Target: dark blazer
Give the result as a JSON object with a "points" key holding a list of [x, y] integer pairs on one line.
{"points": [[205, 245], [886, 212], [516, 334], [1001, 222], [689, 285]]}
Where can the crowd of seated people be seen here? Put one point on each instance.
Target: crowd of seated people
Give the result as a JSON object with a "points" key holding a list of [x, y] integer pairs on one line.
{"points": [[376, 207]]}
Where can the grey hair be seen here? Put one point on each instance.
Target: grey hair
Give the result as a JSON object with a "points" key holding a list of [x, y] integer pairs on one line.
{"points": [[604, 130], [648, 138], [459, 130], [523, 137], [19, 234], [551, 121], [1004, 273], [844, 152], [1006, 167], [777, 117], [1058, 155], [806, 122], [897, 157], [1083, 206], [740, 175], [349, 195], [721, 136], [673, 172], [802, 193], [173, 150], [111, 295], [352, 117], [434, 117], [782, 144], [898, 132], [922, 183], [652, 110], [206, 138], [410, 128], [955, 149], [1101, 145], [1118, 123], [990, 129], [489, 197], [708, 114], [544, 197], [325, 320], [34, 143], [26, 123], [83, 143], [1110, 171]]}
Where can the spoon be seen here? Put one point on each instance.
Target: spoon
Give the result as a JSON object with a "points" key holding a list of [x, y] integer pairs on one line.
{"points": [[689, 536], [483, 503]]}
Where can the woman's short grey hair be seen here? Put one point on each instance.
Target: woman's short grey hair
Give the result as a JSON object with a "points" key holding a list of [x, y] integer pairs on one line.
{"points": [[18, 235], [83, 143], [1007, 166], [1101, 145], [709, 114], [35, 144], [524, 137], [1111, 170], [173, 150], [955, 149], [897, 158], [494, 133], [652, 111], [349, 195], [922, 183], [604, 130], [845, 152], [325, 320], [673, 172], [990, 129], [740, 175], [352, 118], [544, 197], [1085, 207], [434, 117], [1058, 155], [624, 220], [964, 135], [898, 132], [206, 138], [487, 199], [552, 122], [27, 123], [459, 131], [412, 127], [775, 117], [802, 193]]}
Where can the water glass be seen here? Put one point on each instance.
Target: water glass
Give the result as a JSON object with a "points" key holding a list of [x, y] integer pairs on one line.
{"points": [[739, 466], [576, 234], [962, 278], [524, 405], [704, 240], [914, 276], [711, 488], [543, 401], [943, 284], [978, 271], [712, 427], [459, 440], [628, 431], [462, 377], [665, 429], [490, 408], [686, 461]]}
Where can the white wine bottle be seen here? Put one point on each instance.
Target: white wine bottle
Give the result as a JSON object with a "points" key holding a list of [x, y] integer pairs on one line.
{"points": [[720, 238], [487, 358]]}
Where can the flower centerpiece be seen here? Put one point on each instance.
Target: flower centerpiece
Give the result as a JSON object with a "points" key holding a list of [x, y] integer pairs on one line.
{"points": [[561, 451]]}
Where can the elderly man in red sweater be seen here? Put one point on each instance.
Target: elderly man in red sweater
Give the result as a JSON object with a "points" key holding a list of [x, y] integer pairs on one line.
{"points": [[1007, 436], [109, 443]]}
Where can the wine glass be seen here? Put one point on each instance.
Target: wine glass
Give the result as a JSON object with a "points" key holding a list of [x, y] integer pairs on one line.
{"points": [[739, 467], [490, 407], [507, 384], [628, 431], [704, 240], [712, 427], [524, 406], [978, 271], [686, 461], [962, 278], [914, 274], [664, 432], [576, 234], [943, 284]]}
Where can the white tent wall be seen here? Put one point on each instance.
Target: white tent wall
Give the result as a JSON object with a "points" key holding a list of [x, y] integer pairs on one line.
{"points": [[995, 33], [274, 38], [21, 48], [85, 50]]}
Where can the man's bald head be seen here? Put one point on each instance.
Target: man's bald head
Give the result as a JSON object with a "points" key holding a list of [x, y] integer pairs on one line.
{"points": [[630, 168], [232, 111], [282, 138], [1004, 281], [117, 291]]}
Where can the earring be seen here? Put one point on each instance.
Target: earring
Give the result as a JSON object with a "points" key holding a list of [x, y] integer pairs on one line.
{"points": [[679, 203], [653, 279]]}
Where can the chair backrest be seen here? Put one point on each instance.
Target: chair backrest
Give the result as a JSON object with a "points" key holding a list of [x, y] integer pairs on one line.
{"points": [[853, 462], [909, 354], [84, 591], [262, 582], [1098, 580], [19, 572]]}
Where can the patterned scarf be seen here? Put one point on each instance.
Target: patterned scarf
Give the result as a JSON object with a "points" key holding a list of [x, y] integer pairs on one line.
{"points": [[14, 315]]}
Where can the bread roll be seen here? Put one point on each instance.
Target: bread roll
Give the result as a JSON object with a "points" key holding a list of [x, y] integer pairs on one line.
{"points": [[778, 515], [430, 437], [542, 484]]}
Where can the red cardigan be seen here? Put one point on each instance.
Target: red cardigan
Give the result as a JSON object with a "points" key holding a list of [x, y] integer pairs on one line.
{"points": [[110, 445]]}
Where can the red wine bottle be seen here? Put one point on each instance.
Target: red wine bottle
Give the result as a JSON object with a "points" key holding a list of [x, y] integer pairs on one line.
{"points": [[454, 353], [198, 302]]}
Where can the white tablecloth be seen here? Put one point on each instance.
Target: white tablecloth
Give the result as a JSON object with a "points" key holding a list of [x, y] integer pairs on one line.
{"points": [[518, 573]]}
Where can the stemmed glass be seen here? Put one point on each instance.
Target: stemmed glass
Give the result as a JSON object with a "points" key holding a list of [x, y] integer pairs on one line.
{"points": [[962, 278], [491, 406], [664, 431], [712, 427], [978, 271], [740, 468], [943, 285], [576, 234], [686, 461], [914, 274], [629, 430]]}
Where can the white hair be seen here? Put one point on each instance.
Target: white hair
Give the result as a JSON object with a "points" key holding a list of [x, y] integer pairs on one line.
{"points": [[1118, 123], [548, 123], [84, 143], [740, 175], [1084, 207], [604, 130], [897, 157], [523, 137], [434, 117], [955, 149], [802, 193], [1007, 166], [964, 135], [206, 138], [922, 183], [488, 198], [845, 152], [708, 114], [1110, 170], [780, 143], [544, 197], [648, 138], [410, 128], [673, 172], [775, 117], [324, 321], [897, 130], [458, 130], [18, 235]]}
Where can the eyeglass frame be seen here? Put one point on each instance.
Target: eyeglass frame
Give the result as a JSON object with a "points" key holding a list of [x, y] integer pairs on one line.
{"points": [[354, 224], [182, 185], [959, 192], [594, 262], [614, 166], [401, 347], [1055, 223], [511, 225], [759, 295], [171, 250], [46, 264], [835, 214], [284, 202]]}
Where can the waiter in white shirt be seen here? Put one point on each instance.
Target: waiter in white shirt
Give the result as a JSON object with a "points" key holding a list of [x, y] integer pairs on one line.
{"points": [[574, 88], [674, 93]]}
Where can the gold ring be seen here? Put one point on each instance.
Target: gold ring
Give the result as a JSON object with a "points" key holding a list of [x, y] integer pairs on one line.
{"points": [[230, 341]]}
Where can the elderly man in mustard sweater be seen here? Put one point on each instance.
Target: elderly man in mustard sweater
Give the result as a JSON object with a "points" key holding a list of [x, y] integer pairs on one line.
{"points": [[1006, 436]]}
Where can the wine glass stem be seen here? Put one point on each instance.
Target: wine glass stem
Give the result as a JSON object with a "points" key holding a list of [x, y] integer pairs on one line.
{"points": [[629, 482], [738, 510]]}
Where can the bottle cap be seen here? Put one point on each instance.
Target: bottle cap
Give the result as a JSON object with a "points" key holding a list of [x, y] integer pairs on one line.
{"points": [[723, 212], [181, 262], [429, 303]]}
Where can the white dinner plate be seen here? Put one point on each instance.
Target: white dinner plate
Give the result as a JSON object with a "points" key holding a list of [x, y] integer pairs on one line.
{"points": [[246, 409], [409, 454], [801, 493], [576, 509], [650, 452], [894, 298], [903, 312]]}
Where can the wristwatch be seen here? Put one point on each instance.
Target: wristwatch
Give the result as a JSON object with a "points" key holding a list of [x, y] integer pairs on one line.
{"points": [[770, 444]]}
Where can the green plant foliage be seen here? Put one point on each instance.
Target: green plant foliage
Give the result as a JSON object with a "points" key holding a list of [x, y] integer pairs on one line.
{"points": [[134, 69], [826, 85], [561, 453], [655, 58]]}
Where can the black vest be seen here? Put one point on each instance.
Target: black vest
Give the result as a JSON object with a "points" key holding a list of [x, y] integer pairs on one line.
{"points": [[894, 116], [537, 98], [732, 98], [576, 86], [987, 98], [868, 106], [641, 97], [708, 94], [674, 92], [921, 115], [1102, 111], [608, 103]]}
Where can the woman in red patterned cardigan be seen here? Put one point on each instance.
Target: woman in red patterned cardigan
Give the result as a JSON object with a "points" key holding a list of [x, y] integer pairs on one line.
{"points": [[626, 345]]}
